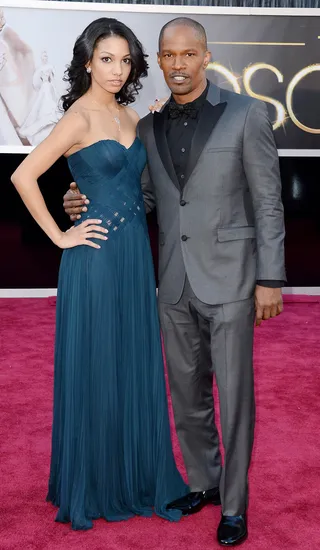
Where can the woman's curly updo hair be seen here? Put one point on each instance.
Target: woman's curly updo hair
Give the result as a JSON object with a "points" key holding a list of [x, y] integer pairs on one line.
{"points": [[76, 74]]}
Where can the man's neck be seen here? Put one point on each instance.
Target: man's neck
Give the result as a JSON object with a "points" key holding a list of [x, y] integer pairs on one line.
{"points": [[191, 96]]}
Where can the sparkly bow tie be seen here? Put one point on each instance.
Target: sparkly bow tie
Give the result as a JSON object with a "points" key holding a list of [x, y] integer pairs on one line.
{"points": [[175, 110]]}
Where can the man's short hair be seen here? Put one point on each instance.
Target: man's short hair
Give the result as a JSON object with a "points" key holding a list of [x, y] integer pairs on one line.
{"points": [[187, 22]]}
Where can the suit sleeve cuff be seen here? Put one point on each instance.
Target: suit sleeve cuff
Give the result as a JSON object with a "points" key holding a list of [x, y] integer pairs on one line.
{"points": [[271, 283]]}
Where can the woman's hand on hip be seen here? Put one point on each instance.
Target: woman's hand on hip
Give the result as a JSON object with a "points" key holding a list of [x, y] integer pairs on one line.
{"points": [[82, 233]]}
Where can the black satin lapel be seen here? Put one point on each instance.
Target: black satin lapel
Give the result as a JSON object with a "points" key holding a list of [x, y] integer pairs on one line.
{"points": [[209, 117], [159, 128]]}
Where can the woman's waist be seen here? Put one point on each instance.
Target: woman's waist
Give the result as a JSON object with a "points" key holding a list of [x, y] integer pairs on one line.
{"points": [[116, 215]]}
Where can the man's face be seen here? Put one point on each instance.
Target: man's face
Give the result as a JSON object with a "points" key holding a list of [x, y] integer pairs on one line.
{"points": [[183, 59]]}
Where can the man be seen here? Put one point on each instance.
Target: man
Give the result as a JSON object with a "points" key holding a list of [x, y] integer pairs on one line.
{"points": [[213, 175]]}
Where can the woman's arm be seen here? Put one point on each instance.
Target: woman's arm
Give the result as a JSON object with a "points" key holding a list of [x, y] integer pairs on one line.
{"points": [[69, 132]]}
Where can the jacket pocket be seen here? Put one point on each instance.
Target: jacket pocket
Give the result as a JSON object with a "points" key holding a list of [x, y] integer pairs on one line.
{"points": [[223, 150], [236, 233]]}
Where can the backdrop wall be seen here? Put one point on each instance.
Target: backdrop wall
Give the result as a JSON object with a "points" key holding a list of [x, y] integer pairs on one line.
{"points": [[229, 3], [272, 57]]}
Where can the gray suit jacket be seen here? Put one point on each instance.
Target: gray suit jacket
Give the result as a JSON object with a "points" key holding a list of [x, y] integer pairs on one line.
{"points": [[225, 229]]}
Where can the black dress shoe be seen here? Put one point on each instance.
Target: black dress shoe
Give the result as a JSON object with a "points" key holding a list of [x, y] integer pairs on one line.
{"points": [[194, 502], [232, 530]]}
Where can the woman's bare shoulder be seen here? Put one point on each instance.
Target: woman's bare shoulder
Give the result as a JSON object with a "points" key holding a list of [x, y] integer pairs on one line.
{"points": [[79, 113], [132, 114]]}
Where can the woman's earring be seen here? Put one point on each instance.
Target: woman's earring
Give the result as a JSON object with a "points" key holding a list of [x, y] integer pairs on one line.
{"points": [[88, 69]]}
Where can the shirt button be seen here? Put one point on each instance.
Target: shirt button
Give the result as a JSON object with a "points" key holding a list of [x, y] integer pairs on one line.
{"points": [[185, 124], [183, 150], [182, 176], [184, 238], [182, 203]]}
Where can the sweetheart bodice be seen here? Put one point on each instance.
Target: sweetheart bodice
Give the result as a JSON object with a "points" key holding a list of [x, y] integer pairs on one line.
{"points": [[109, 174]]}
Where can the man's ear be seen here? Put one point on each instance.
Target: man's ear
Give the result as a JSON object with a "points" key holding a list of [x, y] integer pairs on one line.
{"points": [[207, 59]]}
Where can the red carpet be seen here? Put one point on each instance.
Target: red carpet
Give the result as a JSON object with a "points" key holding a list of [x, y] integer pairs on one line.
{"points": [[285, 472]]}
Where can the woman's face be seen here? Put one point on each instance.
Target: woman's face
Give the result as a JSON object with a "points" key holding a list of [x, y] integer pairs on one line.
{"points": [[111, 64]]}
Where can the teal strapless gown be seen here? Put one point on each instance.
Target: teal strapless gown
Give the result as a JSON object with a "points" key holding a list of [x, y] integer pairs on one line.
{"points": [[111, 447]]}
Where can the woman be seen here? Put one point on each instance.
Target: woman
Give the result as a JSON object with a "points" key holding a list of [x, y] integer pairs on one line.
{"points": [[44, 114], [111, 447], [16, 90]]}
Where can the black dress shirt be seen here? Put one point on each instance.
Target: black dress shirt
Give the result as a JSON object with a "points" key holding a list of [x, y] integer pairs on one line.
{"points": [[180, 131], [180, 127]]}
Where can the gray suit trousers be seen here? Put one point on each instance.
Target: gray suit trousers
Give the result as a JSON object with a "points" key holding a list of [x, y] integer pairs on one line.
{"points": [[203, 341]]}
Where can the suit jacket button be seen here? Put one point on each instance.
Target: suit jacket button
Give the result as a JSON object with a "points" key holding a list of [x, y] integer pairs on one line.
{"points": [[182, 203], [184, 238]]}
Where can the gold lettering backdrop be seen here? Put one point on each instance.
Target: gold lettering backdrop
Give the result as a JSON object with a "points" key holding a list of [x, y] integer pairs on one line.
{"points": [[282, 111], [275, 59]]}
